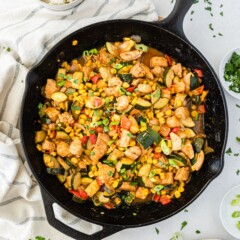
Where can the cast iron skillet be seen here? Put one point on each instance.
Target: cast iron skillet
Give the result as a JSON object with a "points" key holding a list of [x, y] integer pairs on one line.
{"points": [[166, 36]]}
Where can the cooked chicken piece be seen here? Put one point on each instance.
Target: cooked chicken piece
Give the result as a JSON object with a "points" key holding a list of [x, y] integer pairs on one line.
{"points": [[50, 88], [137, 70], [52, 126], [186, 80], [179, 86], [131, 55], [141, 192], [63, 149], [154, 122], [188, 122], [115, 155], [105, 57], [199, 161], [158, 61], [105, 172], [113, 91], [182, 174], [187, 148], [133, 152], [126, 186], [48, 146], [182, 113], [86, 71], [52, 113], [172, 122], [100, 148], [122, 103], [134, 127], [177, 69], [158, 71], [66, 118], [125, 139], [135, 82], [148, 72], [76, 147], [166, 180], [105, 73], [145, 88], [164, 130], [176, 142], [92, 188], [114, 81]]}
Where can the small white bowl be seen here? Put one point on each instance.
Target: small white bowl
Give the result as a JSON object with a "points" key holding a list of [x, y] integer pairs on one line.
{"points": [[226, 210], [223, 62], [60, 7]]}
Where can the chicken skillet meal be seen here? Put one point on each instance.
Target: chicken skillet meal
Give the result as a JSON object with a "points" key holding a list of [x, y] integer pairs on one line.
{"points": [[123, 123]]}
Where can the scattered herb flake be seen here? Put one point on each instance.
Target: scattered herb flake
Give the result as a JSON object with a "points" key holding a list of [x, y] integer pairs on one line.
{"points": [[92, 153], [195, 1], [220, 34], [208, 8], [157, 230], [238, 139], [238, 225], [134, 214], [229, 151], [110, 173], [184, 224], [185, 210], [236, 154], [211, 27], [236, 214], [235, 202], [221, 5], [237, 105], [197, 232], [238, 172], [8, 49], [192, 12], [238, 196], [221, 13]]}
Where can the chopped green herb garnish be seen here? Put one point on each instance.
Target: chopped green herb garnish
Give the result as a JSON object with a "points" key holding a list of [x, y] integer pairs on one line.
{"points": [[157, 230], [106, 129], [91, 131], [221, 13], [112, 60], [184, 224], [134, 214], [40, 105], [133, 183], [208, 8], [229, 151], [197, 232], [75, 108], [76, 81], [238, 196], [110, 142], [238, 139], [221, 5], [8, 49], [237, 105], [131, 135], [220, 34], [114, 123], [235, 202], [110, 173], [141, 47], [238, 172], [211, 27], [232, 72], [158, 188], [90, 52], [92, 153], [192, 12], [185, 210], [238, 225], [105, 121], [61, 83], [236, 214], [236, 154]]}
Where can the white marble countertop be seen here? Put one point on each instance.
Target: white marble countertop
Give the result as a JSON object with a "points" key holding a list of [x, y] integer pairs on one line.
{"points": [[203, 213]]}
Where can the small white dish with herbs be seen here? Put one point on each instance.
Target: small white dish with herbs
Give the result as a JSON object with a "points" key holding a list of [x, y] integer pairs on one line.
{"points": [[229, 72], [230, 211]]}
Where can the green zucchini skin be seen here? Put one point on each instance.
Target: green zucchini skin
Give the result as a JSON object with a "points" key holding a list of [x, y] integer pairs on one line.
{"points": [[168, 77], [198, 144], [55, 171], [126, 77], [145, 139], [142, 104], [194, 83]]}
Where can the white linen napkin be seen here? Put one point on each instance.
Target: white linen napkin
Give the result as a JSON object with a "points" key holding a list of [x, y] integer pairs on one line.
{"points": [[26, 34]]}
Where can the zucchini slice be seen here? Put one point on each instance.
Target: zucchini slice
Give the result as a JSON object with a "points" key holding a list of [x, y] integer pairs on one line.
{"points": [[92, 188], [63, 163], [145, 170], [69, 163], [145, 139], [126, 163], [142, 104], [128, 110], [166, 150], [126, 77], [76, 180], [155, 135], [50, 161], [62, 135], [108, 192], [179, 160], [78, 199], [86, 181], [55, 171], [155, 96], [198, 144], [168, 77], [194, 83], [112, 49], [62, 178], [40, 136], [161, 103]]}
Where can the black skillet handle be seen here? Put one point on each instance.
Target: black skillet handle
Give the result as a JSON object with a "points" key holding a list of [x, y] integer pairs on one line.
{"points": [[174, 22], [106, 231]]}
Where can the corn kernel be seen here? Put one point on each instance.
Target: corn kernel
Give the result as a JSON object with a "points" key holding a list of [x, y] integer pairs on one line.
{"points": [[116, 118], [169, 143], [149, 160], [82, 121], [126, 85], [82, 91], [87, 111], [97, 94], [68, 129], [89, 85], [81, 87], [153, 191], [143, 128], [95, 173], [147, 97], [179, 103], [134, 101], [182, 184], [145, 192], [100, 90], [168, 112], [83, 116], [74, 42], [158, 149], [194, 114], [181, 189], [177, 194], [160, 114], [154, 87], [77, 111], [150, 115], [155, 161], [170, 168], [91, 174], [115, 184], [122, 149], [74, 160], [115, 136], [132, 143], [162, 175], [162, 120], [39, 147], [163, 192], [160, 80], [93, 168], [203, 96], [53, 154], [113, 71], [190, 94], [89, 62], [134, 94], [103, 94]]}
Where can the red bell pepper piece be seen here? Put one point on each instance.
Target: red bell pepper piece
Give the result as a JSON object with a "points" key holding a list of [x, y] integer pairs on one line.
{"points": [[93, 138], [164, 200], [97, 102], [95, 78], [100, 183], [157, 155], [84, 139], [130, 89], [99, 129], [156, 197], [175, 129], [198, 72], [168, 59], [198, 90], [125, 122], [81, 194], [109, 205], [201, 109]]}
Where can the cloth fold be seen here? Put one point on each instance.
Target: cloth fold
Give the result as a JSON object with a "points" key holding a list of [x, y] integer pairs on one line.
{"points": [[26, 34]]}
